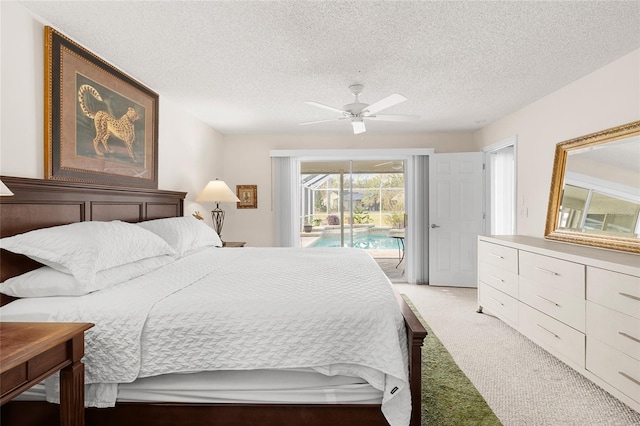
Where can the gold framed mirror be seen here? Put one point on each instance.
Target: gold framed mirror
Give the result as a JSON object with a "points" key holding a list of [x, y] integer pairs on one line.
{"points": [[595, 190]]}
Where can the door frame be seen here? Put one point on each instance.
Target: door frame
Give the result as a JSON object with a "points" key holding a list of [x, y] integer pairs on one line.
{"points": [[489, 150]]}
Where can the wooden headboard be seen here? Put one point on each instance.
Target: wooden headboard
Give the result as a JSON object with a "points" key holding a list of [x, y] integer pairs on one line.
{"points": [[39, 203]]}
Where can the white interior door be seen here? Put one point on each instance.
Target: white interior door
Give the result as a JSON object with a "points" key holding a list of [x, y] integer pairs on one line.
{"points": [[456, 217]]}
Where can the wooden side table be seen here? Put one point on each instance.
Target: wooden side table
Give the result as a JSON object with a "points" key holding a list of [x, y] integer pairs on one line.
{"points": [[32, 351], [232, 244]]}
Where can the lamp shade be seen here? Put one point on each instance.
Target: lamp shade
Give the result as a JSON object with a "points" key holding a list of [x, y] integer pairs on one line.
{"points": [[218, 192], [4, 191]]}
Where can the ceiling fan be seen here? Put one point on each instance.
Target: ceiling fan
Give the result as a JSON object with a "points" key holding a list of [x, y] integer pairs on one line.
{"points": [[395, 165], [357, 111]]}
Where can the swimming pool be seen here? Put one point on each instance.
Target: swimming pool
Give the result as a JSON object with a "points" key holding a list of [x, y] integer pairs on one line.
{"points": [[363, 241]]}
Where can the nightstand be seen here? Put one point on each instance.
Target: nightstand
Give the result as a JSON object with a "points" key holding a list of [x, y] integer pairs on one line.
{"points": [[232, 244], [32, 351]]}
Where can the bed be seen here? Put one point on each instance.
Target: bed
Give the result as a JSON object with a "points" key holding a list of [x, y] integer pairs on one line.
{"points": [[43, 204]]}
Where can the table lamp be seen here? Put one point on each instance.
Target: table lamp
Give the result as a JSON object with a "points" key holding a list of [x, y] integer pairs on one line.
{"points": [[218, 192]]}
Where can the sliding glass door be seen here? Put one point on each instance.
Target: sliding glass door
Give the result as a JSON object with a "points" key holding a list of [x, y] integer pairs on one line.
{"points": [[353, 204], [322, 202]]}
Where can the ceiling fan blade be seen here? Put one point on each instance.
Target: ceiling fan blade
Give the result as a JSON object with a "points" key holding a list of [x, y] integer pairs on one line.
{"points": [[322, 121], [384, 103], [392, 117], [358, 127], [323, 106]]}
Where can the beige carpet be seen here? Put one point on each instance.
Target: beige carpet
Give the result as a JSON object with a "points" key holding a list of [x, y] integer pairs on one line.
{"points": [[392, 269], [521, 382]]}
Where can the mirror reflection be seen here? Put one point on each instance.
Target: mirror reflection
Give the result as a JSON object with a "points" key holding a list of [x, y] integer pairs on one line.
{"points": [[601, 192], [595, 190]]}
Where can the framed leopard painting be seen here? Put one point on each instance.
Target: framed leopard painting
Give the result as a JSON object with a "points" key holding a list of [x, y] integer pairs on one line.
{"points": [[102, 125]]}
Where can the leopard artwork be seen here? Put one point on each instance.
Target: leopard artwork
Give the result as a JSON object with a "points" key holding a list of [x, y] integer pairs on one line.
{"points": [[107, 125]]}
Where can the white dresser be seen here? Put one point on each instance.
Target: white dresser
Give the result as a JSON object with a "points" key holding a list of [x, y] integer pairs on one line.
{"points": [[581, 304]]}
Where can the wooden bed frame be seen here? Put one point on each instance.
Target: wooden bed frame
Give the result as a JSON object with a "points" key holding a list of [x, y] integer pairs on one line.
{"points": [[43, 203]]}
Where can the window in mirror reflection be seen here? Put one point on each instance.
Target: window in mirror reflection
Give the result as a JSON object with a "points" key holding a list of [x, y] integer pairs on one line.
{"points": [[604, 213], [574, 202]]}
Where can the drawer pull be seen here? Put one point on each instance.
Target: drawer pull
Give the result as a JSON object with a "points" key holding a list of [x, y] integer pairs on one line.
{"points": [[547, 271], [630, 296], [548, 331], [496, 278], [626, 376], [628, 336], [496, 255], [497, 300], [547, 300]]}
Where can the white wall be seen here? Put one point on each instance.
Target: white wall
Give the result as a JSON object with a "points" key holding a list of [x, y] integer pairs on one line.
{"points": [[190, 155], [247, 162], [22, 100], [190, 152], [606, 98]]}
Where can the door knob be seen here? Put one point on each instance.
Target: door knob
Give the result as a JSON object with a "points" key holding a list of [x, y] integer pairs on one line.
{"points": [[433, 225]]}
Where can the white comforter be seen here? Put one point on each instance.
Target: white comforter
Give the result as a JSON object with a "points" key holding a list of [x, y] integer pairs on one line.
{"points": [[240, 309]]}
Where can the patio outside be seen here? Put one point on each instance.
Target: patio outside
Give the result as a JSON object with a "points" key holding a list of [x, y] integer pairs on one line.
{"points": [[377, 208]]}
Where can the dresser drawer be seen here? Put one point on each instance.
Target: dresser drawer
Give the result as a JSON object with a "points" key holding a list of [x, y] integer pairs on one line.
{"points": [[551, 334], [619, 370], [566, 276], [497, 255], [13, 378], [499, 278], [617, 291], [559, 304], [620, 331], [502, 305]]}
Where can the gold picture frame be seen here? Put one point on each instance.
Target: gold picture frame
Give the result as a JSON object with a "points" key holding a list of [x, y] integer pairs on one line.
{"points": [[101, 126], [248, 196]]}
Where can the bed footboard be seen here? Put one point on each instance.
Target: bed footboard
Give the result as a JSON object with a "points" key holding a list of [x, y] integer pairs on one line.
{"points": [[134, 414], [40, 413], [415, 336]]}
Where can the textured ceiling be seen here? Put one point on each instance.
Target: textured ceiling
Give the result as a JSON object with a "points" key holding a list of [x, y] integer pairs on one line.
{"points": [[247, 67]]}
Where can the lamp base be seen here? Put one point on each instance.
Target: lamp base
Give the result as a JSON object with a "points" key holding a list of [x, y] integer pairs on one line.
{"points": [[217, 216]]}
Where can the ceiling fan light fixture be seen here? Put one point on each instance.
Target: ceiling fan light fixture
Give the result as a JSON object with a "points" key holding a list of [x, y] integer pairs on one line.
{"points": [[358, 125], [397, 165]]}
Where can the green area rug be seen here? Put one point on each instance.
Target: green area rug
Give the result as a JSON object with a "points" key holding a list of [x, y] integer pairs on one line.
{"points": [[448, 396]]}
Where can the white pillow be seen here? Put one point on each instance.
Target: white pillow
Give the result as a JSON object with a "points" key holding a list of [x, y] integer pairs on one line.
{"points": [[46, 281], [33, 309], [183, 233], [85, 248]]}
